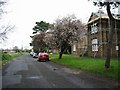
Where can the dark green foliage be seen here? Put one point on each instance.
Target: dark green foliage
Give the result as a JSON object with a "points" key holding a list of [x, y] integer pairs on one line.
{"points": [[41, 26]]}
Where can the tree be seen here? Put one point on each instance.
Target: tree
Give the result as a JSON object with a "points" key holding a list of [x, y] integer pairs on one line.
{"points": [[1, 8], [16, 49], [66, 31], [50, 40], [41, 26], [38, 42], [109, 4], [4, 29]]}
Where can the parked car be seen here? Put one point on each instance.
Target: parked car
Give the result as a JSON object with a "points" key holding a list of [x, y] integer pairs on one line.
{"points": [[43, 57], [35, 55]]}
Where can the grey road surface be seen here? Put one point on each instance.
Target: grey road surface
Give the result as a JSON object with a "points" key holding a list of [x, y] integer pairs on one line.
{"points": [[27, 72]]}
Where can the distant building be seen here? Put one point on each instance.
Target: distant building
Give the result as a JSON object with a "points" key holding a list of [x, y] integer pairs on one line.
{"points": [[80, 48], [97, 33]]}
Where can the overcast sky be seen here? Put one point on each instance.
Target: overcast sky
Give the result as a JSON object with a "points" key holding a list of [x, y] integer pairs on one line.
{"points": [[24, 13]]}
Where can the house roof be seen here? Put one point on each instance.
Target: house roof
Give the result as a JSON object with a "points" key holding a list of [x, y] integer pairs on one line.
{"points": [[96, 15]]}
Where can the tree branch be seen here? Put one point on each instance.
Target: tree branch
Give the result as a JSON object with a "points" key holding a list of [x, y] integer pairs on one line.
{"points": [[108, 10]]}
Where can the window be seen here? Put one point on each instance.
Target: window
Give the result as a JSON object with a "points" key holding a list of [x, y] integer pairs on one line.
{"points": [[95, 45], [94, 28], [74, 47]]}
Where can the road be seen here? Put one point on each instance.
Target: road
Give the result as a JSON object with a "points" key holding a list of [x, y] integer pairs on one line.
{"points": [[27, 72]]}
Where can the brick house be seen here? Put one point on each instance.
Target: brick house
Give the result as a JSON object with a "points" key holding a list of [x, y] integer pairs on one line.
{"points": [[97, 34]]}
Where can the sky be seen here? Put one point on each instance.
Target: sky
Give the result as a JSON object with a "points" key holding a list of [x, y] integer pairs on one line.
{"points": [[24, 13]]}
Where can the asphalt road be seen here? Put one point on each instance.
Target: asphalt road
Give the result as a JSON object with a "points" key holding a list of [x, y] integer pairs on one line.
{"points": [[27, 72]]}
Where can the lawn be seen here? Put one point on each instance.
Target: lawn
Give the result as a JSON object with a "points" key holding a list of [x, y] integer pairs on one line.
{"points": [[91, 65]]}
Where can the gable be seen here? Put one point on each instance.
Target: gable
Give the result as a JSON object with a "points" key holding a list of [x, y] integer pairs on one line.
{"points": [[92, 17], [95, 16]]}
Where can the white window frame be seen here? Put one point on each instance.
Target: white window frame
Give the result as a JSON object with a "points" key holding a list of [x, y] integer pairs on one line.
{"points": [[94, 28], [74, 47], [95, 45]]}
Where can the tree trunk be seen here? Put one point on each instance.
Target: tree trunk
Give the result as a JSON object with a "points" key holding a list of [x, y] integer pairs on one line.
{"points": [[110, 36], [63, 48], [107, 62], [60, 55], [109, 44]]}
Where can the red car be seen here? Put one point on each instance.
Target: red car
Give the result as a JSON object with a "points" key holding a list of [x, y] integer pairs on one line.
{"points": [[43, 57]]}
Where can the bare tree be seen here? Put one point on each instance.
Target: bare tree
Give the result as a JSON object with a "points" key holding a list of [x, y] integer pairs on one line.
{"points": [[109, 4], [67, 30], [4, 29], [2, 3]]}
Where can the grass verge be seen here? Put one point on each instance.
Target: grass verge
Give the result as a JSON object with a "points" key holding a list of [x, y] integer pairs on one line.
{"points": [[91, 65], [5, 57]]}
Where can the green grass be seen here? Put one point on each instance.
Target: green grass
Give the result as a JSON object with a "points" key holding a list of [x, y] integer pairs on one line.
{"points": [[91, 65], [5, 57], [0, 65]]}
